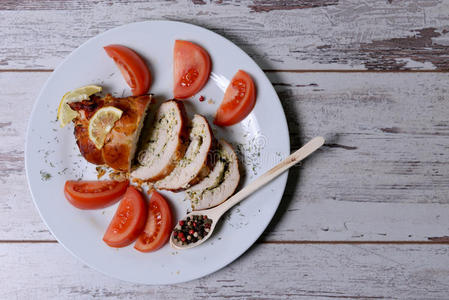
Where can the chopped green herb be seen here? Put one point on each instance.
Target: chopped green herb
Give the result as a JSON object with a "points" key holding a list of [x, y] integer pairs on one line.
{"points": [[45, 176]]}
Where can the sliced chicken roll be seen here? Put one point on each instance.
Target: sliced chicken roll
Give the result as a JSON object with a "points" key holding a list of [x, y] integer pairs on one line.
{"points": [[221, 182], [165, 144], [196, 163]]}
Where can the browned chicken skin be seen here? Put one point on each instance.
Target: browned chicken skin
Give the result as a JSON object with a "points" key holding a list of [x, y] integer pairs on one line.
{"points": [[120, 143]]}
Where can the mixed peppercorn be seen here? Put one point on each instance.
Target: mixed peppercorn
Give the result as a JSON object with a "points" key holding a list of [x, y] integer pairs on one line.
{"points": [[192, 229]]}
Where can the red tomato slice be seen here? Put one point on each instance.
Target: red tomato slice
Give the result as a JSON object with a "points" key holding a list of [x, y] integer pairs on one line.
{"points": [[128, 221], [239, 100], [133, 68], [191, 69], [159, 225], [94, 194]]}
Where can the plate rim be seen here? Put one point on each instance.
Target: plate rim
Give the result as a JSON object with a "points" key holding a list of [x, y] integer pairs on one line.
{"points": [[283, 177]]}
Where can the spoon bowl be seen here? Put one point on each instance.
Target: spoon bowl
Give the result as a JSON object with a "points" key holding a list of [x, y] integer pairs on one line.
{"points": [[212, 213], [216, 212]]}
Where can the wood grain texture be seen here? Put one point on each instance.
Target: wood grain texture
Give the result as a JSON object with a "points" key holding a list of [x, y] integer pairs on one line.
{"points": [[381, 179], [19, 218], [387, 143], [325, 34], [383, 175], [264, 272]]}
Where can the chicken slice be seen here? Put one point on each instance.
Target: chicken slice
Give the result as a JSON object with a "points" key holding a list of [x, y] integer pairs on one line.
{"points": [[220, 184], [196, 163], [165, 143]]}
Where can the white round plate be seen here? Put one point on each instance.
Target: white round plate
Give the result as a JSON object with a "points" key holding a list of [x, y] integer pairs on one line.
{"points": [[52, 156]]}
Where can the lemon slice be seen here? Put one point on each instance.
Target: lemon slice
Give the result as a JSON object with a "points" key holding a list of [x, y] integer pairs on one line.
{"points": [[102, 123], [65, 113]]}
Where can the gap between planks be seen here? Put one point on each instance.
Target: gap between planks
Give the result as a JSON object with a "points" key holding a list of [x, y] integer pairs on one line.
{"points": [[301, 242], [267, 71]]}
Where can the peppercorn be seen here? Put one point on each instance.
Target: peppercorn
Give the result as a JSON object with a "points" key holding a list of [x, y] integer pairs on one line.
{"points": [[192, 229]]}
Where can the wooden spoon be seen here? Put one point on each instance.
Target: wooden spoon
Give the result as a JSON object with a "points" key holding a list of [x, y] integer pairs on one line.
{"points": [[215, 213]]}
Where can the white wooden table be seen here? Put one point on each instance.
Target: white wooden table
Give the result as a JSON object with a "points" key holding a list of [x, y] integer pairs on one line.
{"points": [[366, 217]]}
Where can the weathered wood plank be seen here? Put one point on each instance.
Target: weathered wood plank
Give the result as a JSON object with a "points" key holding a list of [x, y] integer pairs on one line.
{"points": [[325, 34], [383, 176], [387, 139], [265, 272], [19, 217]]}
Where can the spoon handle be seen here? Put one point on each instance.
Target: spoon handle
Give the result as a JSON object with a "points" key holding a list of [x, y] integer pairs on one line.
{"points": [[287, 163]]}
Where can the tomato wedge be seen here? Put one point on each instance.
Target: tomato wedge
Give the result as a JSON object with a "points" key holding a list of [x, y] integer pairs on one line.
{"points": [[94, 194], [239, 100], [159, 225], [133, 68], [191, 69], [128, 221]]}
